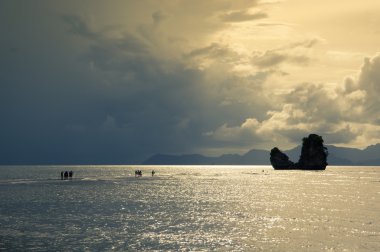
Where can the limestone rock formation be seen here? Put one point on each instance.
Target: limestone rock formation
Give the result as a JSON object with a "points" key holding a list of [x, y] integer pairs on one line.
{"points": [[279, 160], [313, 153], [313, 156]]}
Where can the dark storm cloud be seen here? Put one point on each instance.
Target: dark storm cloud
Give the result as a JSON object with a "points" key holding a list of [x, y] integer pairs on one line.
{"points": [[154, 104], [54, 108], [80, 93]]}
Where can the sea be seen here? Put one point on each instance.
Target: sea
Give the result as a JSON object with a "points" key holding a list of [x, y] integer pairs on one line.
{"points": [[189, 208]]}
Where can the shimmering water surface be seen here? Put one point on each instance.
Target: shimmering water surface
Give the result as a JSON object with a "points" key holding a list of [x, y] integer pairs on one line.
{"points": [[189, 208]]}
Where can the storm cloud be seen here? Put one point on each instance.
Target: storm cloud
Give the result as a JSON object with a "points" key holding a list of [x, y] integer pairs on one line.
{"points": [[86, 84]]}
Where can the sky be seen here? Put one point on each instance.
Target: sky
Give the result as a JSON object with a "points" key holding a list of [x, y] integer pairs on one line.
{"points": [[90, 81]]}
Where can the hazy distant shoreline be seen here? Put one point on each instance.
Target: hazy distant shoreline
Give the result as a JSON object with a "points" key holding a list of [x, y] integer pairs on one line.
{"points": [[338, 156]]}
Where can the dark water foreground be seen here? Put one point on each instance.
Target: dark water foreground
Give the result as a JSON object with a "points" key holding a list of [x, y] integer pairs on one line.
{"points": [[105, 208]]}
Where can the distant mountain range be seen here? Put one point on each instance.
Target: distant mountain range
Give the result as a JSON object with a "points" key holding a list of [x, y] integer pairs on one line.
{"points": [[337, 156]]}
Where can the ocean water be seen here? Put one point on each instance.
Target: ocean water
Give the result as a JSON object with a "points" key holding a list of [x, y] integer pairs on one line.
{"points": [[189, 208]]}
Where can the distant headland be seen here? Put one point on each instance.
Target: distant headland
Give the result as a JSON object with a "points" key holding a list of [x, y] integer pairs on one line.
{"points": [[336, 156]]}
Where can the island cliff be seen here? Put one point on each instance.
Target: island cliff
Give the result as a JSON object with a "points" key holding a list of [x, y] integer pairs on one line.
{"points": [[313, 156]]}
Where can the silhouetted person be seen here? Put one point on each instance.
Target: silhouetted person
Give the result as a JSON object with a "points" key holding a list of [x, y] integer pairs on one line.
{"points": [[61, 174], [153, 172], [70, 174], [66, 175]]}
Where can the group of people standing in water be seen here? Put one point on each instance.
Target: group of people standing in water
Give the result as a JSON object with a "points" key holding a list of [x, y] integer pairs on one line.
{"points": [[138, 173], [67, 174]]}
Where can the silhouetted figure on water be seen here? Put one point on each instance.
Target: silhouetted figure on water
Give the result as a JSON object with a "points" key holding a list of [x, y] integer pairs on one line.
{"points": [[66, 175], [153, 172], [138, 173]]}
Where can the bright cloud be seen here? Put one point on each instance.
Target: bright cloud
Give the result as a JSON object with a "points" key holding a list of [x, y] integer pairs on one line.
{"points": [[345, 115]]}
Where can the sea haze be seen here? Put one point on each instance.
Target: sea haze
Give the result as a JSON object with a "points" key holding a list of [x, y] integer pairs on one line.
{"points": [[189, 208]]}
